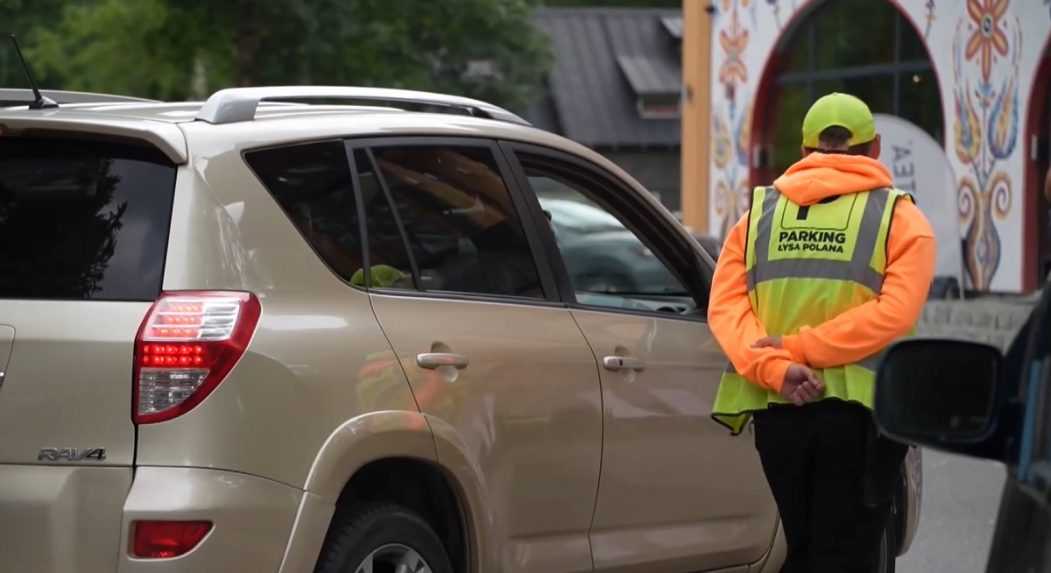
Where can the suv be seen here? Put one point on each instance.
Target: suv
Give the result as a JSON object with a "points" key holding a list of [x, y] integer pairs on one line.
{"points": [[332, 329]]}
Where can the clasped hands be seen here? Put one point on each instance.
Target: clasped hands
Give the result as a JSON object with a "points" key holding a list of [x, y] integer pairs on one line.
{"points": [[801, 384]]}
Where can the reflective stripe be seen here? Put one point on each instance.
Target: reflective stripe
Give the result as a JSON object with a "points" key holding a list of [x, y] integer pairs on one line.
{"points": [[762, 239], [868, 232], [817, 269], [858, 269]]}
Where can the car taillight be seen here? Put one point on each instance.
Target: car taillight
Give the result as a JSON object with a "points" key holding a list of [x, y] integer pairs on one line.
{"points": [[166, 539], [187, 344]]}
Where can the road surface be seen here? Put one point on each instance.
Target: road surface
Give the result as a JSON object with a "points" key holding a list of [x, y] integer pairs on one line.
{"points": [[961, 498]]}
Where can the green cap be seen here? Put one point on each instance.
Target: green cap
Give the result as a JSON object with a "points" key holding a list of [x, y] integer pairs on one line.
{"points": [[842, 110]]}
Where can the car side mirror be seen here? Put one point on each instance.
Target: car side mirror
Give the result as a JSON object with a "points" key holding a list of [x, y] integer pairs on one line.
{"points": [[940, 393]]}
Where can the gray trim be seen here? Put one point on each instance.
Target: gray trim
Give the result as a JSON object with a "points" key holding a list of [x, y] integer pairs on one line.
{"points": [[868, 234], [239, 104], [762, 240], [818, 269]]}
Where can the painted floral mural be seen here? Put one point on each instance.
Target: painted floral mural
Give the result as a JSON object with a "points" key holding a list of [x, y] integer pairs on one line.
{"points": [[985, 131], [984, 74]]}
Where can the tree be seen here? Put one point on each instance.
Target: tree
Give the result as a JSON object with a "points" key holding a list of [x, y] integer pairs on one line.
{"points": [[618, 3], [174, 49]]}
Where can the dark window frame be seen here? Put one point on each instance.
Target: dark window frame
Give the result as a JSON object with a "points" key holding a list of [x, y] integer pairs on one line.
{"points": [[637, 215], [525, 216]]}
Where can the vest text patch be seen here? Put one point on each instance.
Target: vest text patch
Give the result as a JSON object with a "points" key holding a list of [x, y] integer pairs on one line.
{"points": [[814, 241]]}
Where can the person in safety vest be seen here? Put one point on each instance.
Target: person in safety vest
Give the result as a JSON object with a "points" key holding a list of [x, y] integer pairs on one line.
{"points": [[829, 267]]}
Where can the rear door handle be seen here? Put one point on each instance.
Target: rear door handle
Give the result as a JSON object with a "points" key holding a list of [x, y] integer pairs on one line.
{"points": [[434, 360], [618, 363]]}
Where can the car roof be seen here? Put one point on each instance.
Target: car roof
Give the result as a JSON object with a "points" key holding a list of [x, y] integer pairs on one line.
{"points": [[250, 116], [240, 118]]}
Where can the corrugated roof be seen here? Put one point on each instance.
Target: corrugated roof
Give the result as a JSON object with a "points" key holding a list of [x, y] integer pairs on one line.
{"points": [[593, 96], [649, 76], [673, 24]]}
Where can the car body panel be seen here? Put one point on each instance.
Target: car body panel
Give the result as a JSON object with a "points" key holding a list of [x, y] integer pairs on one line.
{"points": [[251, 519], [61, 519], [668, 500], [346, 370], [526, 411], [69, 362]]}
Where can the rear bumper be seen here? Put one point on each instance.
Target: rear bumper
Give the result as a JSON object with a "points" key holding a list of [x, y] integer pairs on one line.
{"points": [[61, 519], [77, 519], [252, 519]]}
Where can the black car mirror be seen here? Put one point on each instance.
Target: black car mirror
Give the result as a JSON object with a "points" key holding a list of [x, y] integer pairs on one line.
{"points": [[939, 393]]}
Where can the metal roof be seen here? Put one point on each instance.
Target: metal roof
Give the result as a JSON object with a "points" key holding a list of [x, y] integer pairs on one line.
{"points": [[650, 76], [605, 60]]}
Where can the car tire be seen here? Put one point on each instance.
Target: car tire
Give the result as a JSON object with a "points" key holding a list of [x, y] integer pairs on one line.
{"points": [[385, 536], [888, 548]]}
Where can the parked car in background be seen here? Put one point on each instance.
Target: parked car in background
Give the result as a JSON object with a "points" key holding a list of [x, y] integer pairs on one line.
{"points": [[968, 398], [257, 334]]}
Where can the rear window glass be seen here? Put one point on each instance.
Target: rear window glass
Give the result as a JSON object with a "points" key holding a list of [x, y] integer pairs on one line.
{"points": [[82, 220], [312, 184]]}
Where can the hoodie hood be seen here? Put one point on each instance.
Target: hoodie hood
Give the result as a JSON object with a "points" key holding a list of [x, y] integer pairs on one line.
{"points": [[819, 176]]}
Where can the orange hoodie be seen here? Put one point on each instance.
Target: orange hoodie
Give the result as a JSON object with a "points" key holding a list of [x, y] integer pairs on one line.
{"points": [[854, 334]]}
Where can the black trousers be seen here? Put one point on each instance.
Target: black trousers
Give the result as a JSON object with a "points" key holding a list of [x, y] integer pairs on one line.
{"points": [[833, 479]]}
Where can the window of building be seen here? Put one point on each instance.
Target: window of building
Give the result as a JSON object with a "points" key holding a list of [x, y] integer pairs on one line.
{"points": [[864, 48]]}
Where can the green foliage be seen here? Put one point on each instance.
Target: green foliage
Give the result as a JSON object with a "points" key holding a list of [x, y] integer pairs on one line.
{"points": [[176, 49], [617, 3]]}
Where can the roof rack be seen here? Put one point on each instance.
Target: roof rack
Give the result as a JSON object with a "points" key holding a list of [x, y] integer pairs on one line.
{"points": [[10, 97], [239, 104]]}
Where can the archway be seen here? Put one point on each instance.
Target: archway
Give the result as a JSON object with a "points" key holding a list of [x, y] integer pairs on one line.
{"points": [[1037, 262], [831, 47]]}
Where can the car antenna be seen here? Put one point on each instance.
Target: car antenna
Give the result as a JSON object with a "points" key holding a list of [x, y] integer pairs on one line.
{"points": [[40, 101]]}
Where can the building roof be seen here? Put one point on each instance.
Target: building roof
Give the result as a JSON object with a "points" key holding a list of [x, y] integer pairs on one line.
{"points": [[606, 61]]}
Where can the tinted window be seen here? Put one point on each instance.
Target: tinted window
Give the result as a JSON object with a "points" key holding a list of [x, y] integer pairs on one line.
{"points": [[388, 255], [457, 213], [312, 184], [82, 219], [608, 264]]}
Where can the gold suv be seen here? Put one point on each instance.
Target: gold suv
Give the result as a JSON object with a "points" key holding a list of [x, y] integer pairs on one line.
{"points": [[355, 330]]}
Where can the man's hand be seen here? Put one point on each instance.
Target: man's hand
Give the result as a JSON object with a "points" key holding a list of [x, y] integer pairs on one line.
{"points": [[801, 385], [768, 342]]}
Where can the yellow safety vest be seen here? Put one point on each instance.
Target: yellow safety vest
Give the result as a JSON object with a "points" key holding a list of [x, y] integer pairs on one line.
{"points": [[806, 265]]}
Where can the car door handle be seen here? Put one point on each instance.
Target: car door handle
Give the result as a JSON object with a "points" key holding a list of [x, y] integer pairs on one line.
{"points": [[618, 363], [434, 360]]}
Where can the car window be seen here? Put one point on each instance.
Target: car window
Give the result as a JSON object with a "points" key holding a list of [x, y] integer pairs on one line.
{"points": [[390, 265], [608, 264], [82, 220], [312, 184], [458, 217]]}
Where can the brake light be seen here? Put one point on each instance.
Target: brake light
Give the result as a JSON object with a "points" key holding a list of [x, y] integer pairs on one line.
{"points": [[166, 539], [187, 344]]}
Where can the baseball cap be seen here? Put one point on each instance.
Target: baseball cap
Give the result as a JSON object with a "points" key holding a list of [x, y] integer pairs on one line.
{"points": [[837, 109]]}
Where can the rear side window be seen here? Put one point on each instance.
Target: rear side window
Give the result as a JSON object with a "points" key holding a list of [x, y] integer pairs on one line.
{"points": [[312, 184], [83, 220], [464, 233]]}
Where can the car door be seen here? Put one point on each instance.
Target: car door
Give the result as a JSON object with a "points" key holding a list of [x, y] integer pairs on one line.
{"points": [[677, 492], [1022, 541], [491, 355]]}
